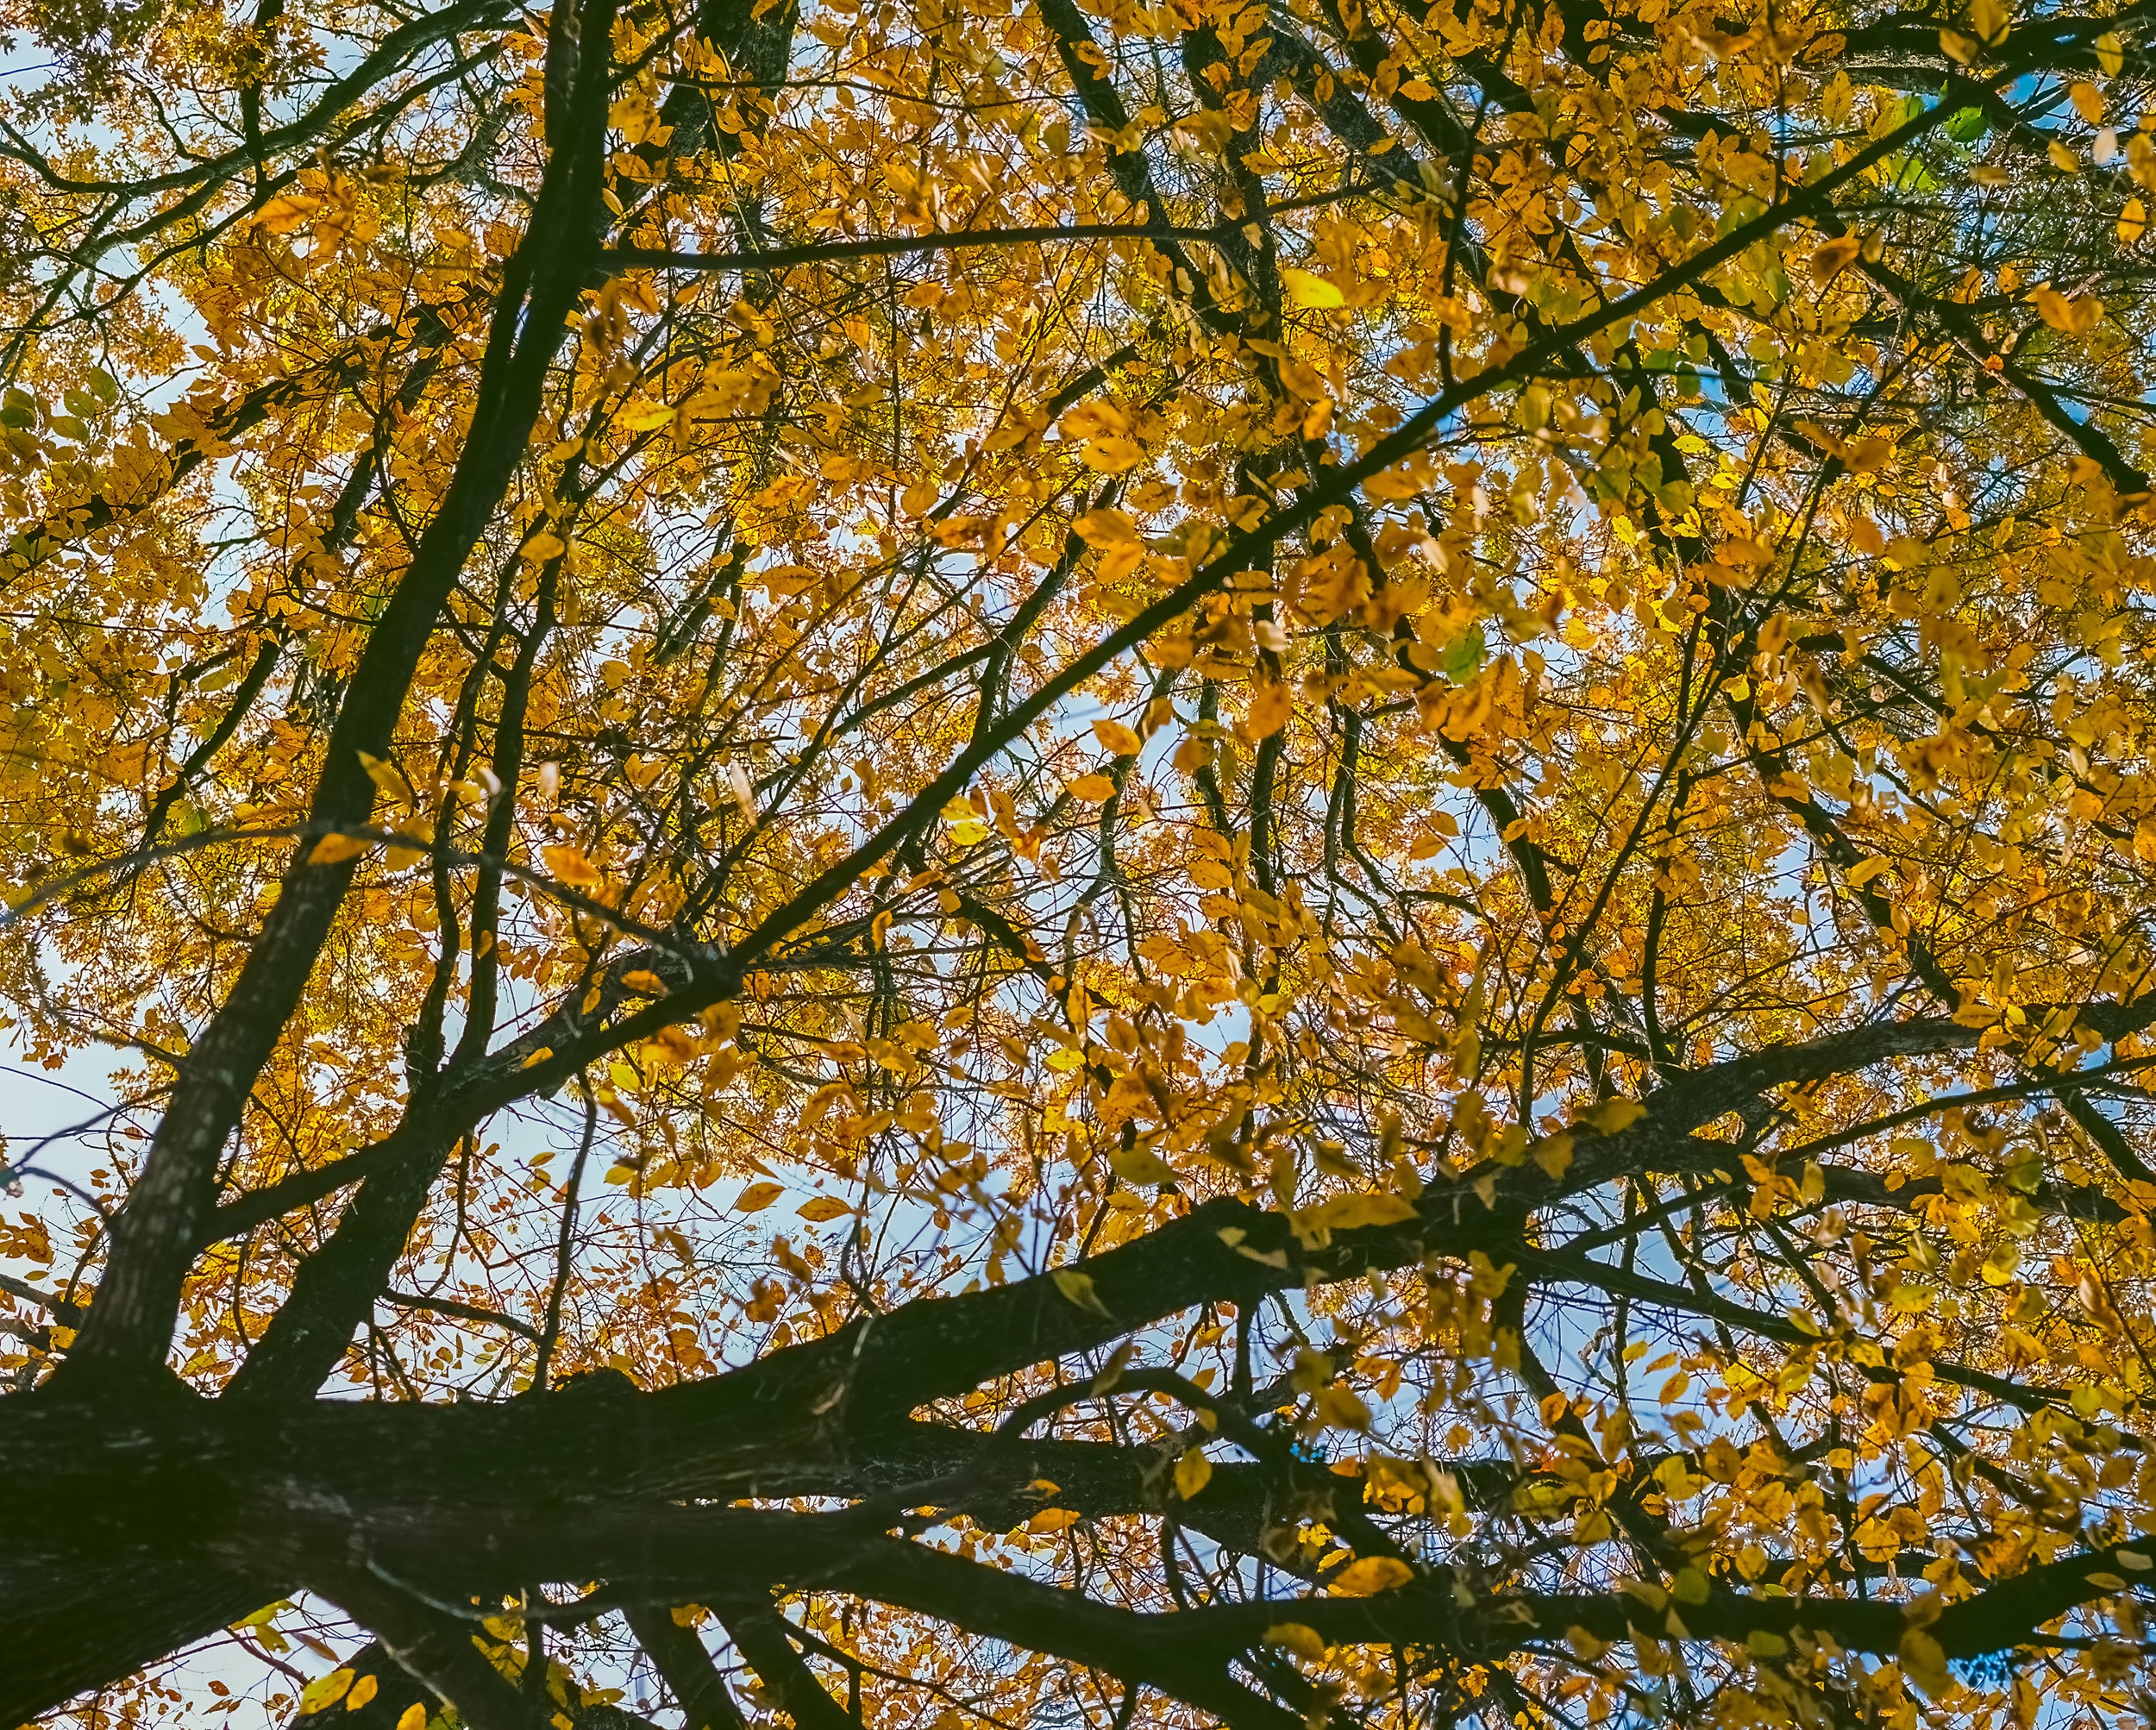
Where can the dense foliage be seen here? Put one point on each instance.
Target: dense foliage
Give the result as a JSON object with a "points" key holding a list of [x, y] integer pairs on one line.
{"points": [[1079, 863]]}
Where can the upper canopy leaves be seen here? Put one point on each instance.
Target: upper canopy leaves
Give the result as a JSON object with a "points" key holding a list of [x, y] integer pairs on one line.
{"points": [[1211, 864]]}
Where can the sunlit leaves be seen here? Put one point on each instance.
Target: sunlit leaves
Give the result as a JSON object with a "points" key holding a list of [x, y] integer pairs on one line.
{"points": [[857, 907], [2075, 317]]}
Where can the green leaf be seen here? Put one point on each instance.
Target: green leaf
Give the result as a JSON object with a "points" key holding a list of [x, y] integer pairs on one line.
{"points": [[1737, 214], [1463, 655]]}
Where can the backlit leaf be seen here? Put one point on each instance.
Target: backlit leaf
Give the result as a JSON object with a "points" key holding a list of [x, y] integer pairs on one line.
{"points": [[1368, 1575]]}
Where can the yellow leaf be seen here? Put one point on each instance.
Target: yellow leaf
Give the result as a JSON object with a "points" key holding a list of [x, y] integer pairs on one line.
{"points": [[386, 775], [642, 416], [757, 1197], [1368, 1575], [571, 867], [819, 1208], [1307, 289], [643, 979], [325, 1691], [1866, 869], [1338, 1407], [1078, 1287], [1104, 528], [1542, 1497], [362, 1691], [1141, 1165], [1052, 1520], [1614, 1114], [1924, 1663], [2088, 102], [543, 547], [1096, 417], [1990, 19], [1270, 706], [1350, 1212], [399, 857], [1116, 739], [2075, 317], [1114, 454], [1094, 789], [2133, 222], [415, 1718], [2063, 159], [281, 215], [334, 849], [1194, 1471], [1299, 1638], [966, 826], [1554, 1155], [2110, 54]]}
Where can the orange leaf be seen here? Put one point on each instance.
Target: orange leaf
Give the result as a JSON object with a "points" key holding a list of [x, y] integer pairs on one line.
{"points": [[1270, 706], [571, 867], [281, 215], [1834, 258]]}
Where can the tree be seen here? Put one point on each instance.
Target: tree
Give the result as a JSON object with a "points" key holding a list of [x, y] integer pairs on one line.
{"points": [[1387, 770]]}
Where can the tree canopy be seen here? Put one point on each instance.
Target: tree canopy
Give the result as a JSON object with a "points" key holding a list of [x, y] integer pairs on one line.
{"points": [[1039, 863]]}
